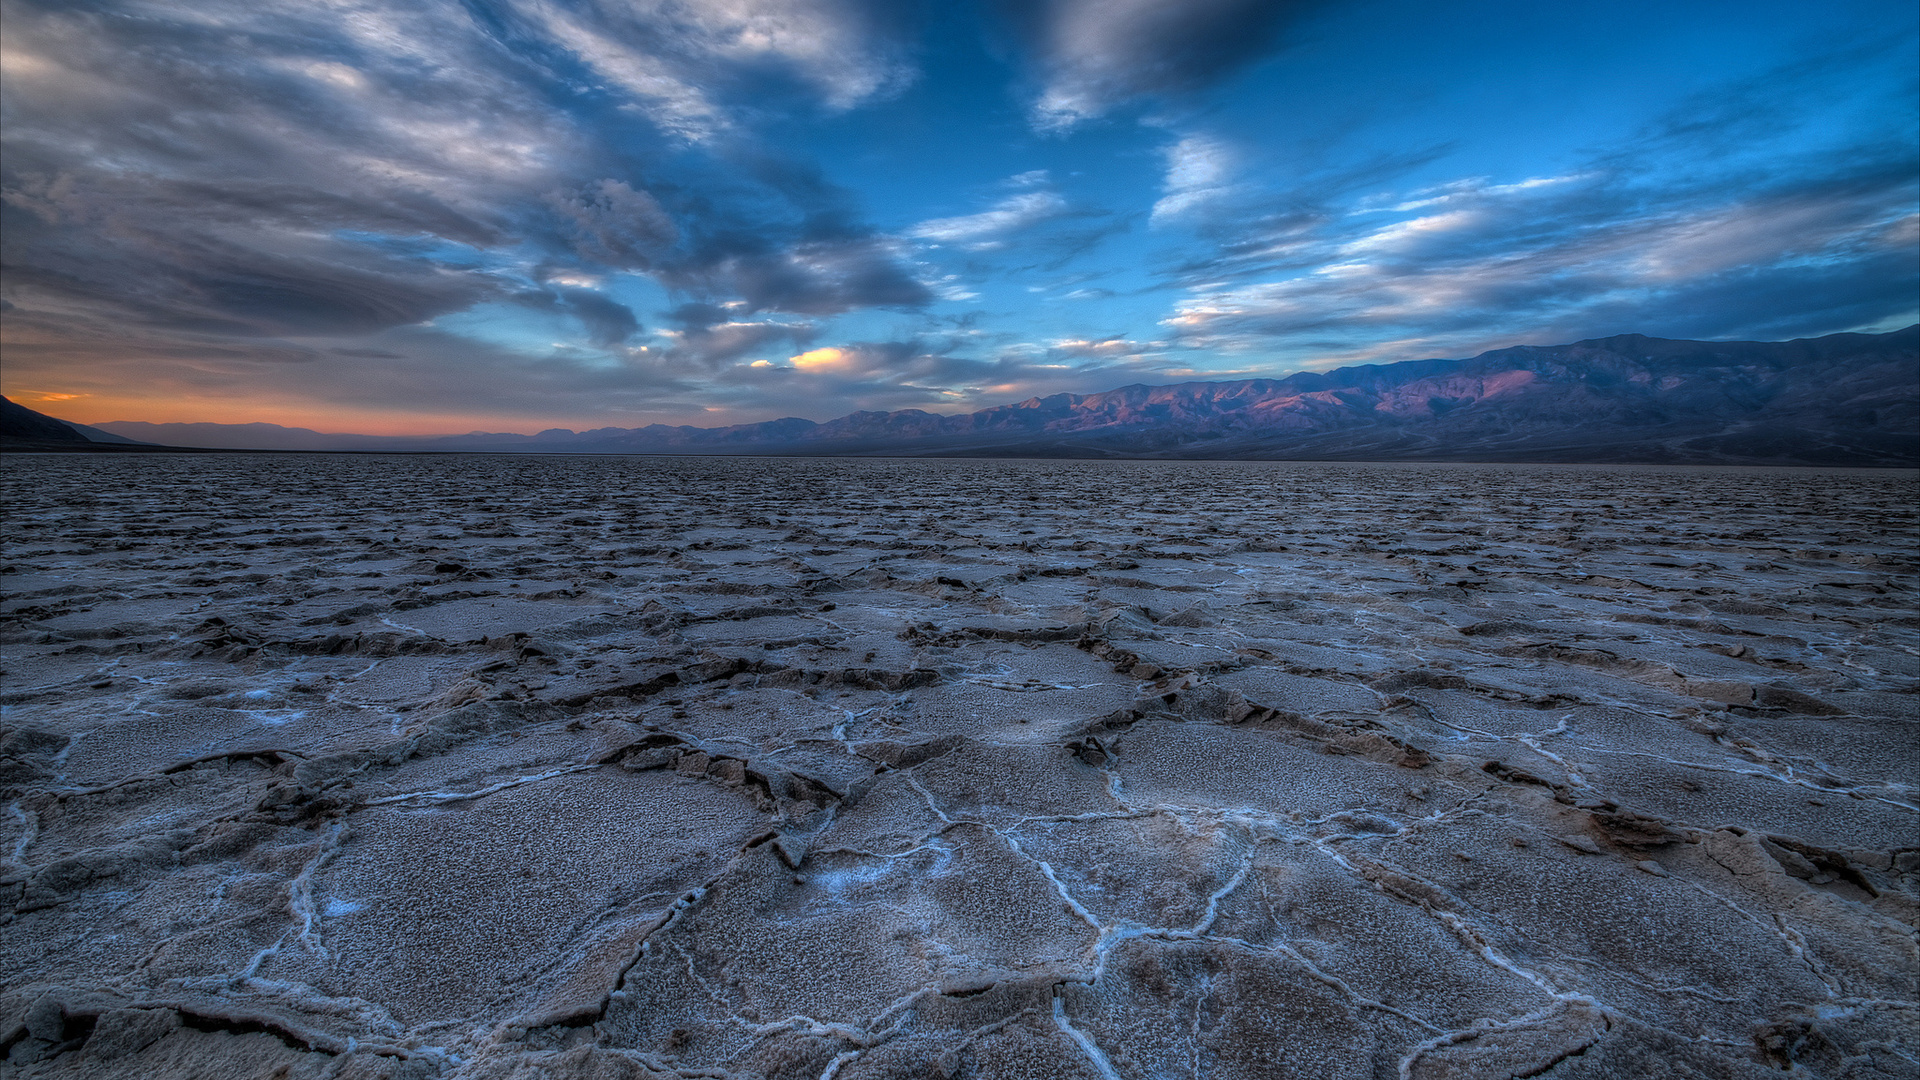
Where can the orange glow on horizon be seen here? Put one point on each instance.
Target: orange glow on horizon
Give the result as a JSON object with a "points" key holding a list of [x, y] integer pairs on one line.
{"points": [[95, 409]]}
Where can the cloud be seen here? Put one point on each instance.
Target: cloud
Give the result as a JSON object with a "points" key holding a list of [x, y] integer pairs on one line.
{"points": [[274, 172], [1459, 190], [1582, 257], [985, 229], [819, 278], [133, 266], [714, 343], [1107, 348], [1197, 170], [607, 322], [1743, 212], [615, 225], [932, 374], [222, 168], [282, 201], [689, 66], [830, 381], [828, 359], [1034, 221], [1094, 55]]}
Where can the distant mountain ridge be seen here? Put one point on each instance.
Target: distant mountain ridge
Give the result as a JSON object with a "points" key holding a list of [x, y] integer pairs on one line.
{"points": [[1843, 399]]}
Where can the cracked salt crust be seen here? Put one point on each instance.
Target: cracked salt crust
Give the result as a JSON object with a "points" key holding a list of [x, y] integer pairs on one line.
{"points": [[623, 767]]}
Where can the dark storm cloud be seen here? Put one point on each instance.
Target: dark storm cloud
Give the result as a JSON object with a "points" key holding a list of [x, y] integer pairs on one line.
{"points": [[52, 185], [1093, 55]]}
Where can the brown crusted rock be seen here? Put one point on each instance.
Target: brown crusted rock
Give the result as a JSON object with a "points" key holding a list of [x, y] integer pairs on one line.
{"points": [[1816, 865], [1395, 682], [464, 692], [1864, 1039], [119, 1032], [1632, 829], [658, 750], [791, 849], [1381, 746], [1513, 775], [1089, 750], [1790, 700], [729, 771], [60, 880], [21, 741], [898, 754], [1403, 885]]}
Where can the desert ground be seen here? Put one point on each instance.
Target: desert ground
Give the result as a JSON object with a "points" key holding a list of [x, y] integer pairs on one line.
{"points": [[619, 767]]}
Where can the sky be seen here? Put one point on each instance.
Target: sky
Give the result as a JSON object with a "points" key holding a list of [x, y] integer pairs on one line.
{"points": [[443, 216]]}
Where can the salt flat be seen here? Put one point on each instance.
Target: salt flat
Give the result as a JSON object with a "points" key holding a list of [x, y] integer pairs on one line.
{"points": [[526, 767]]}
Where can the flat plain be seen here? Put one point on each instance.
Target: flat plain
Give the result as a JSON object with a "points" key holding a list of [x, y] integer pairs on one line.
{"points": [[519, 767]]}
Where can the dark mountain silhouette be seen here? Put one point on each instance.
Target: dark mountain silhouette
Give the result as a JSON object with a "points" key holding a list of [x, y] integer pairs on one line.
{"points": [[19, 424], [23, 429], [1844, 399]]}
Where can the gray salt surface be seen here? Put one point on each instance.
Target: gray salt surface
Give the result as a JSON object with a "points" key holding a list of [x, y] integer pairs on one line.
{"points": [[528, 767]]}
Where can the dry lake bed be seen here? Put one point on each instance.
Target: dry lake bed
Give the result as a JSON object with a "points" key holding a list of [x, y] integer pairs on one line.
{"points": [[526, 767]]}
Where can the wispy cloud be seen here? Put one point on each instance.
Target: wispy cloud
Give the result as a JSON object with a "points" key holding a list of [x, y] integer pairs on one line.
{"points": [[691, 66], [989, 228], [1579, 257], [1107, 348], [1198, 170], [1700, 224]]}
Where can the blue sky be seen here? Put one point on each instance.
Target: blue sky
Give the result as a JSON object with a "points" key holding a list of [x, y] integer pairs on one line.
{"points": [[512, 215]]}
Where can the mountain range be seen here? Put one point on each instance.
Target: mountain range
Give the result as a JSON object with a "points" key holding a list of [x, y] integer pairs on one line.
{"points": [[1843, 399]]}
